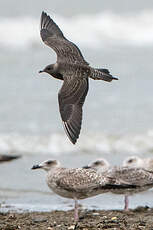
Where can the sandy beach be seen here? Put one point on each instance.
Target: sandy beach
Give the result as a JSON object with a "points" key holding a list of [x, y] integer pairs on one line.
{"points": [[140, 218]]}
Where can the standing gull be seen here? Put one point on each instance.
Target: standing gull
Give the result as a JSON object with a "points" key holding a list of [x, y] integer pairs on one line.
{"points": [[74, 70], [138, 179], [78, 183]]}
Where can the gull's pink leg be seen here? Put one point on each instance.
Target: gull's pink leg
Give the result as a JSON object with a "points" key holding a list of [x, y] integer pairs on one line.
{"points": [[76, 216], [126, 202]]}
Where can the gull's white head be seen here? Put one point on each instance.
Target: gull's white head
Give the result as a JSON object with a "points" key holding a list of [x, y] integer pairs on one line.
{"points": [[133, 161], [149, 164], [47, 165], [99, 165]]}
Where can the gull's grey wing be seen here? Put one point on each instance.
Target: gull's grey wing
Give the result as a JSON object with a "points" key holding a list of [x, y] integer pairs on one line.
{"points": [[133, 176], [78, 180], [87, 181], [71, 99], [53, 37]]}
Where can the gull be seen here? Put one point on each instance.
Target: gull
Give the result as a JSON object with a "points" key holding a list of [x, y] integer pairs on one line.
{"points": [[138, 179], [141, 179], [76, 183], [72, 68]]}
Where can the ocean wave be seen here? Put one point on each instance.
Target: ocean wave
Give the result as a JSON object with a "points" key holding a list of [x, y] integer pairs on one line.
{"points": [[92, 31], [57, 144]]}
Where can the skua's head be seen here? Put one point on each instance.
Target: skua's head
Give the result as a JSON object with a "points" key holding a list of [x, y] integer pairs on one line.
{"points": [[47, 165], [48, 69], [100, 165], [133, 161]]}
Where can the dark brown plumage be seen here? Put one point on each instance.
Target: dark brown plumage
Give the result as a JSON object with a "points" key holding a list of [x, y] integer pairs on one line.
{"points": [[74, 70]]}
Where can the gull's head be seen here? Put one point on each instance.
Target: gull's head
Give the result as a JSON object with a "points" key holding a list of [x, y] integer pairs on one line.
{"points": [[47, 165], [149, 164], [100, 165], [48, 69], [133, 161]]}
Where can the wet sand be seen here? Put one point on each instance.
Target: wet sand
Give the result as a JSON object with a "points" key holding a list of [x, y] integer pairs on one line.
{"points": [[140, 218]]}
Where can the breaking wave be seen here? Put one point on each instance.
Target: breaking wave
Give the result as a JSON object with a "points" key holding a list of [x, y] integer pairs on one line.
{"points": [[57, 144], [91, 31]]}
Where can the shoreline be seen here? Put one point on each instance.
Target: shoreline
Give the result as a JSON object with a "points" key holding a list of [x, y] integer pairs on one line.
{"points": [[139, 218]]}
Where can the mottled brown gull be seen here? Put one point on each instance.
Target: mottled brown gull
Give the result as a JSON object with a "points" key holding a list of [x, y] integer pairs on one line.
{"points": [[139, 178], [76, 183], [74, 70]]}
